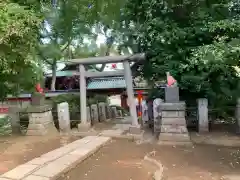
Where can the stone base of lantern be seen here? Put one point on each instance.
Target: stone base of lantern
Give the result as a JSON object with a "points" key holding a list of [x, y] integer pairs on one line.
{"points": [[173, 126], [40, 121]]}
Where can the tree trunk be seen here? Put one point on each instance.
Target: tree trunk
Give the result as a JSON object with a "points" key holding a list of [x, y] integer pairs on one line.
{"points": [[54, 77], [106, 54]]}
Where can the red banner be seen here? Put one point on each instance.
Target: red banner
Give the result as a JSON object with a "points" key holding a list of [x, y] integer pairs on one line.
{"points": [[3, 110]]}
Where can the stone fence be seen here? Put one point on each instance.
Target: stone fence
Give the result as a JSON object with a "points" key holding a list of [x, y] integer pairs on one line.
{"points": [[95, 113], [41, 120], [175, 113]]}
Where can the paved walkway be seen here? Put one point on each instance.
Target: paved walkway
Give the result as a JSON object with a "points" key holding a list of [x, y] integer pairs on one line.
{"points": [[52, 164]]}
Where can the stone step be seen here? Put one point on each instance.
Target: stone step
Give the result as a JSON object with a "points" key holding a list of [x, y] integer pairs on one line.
{"points": [[175, 143], [174, 129], [173, 106], [173, 114], [174, 137], [174, 121]]}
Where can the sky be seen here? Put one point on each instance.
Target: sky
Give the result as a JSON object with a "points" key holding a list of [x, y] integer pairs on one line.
{"points": [[100, 40]]}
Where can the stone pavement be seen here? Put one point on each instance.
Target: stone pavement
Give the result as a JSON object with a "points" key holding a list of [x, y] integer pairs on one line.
{"points": [[52, 164]]}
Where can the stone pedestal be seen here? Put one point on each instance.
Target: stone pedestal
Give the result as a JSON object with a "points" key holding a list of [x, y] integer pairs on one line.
{"points": [[102, 111], [173, 127], [64, 117], [172, 94], [40, 121], [38, 99], [203, 115]]}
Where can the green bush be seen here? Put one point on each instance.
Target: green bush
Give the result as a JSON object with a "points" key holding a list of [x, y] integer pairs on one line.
{"points": [[5, 126]]}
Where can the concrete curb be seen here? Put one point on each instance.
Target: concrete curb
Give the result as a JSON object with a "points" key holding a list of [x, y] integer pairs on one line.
{"points": [[129, 137], [158, 174], [56, 163], [231, 177], [229, 143]]}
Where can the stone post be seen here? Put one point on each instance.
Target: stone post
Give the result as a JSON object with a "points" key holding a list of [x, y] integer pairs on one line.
{"points": [[203, 115], [63, 117], [120, 114], [108, 112], [114, 112], [130, 93], [94, 113], [89, 119], [238, 114], [15, 120], [144, 113], [102, 111], [157, 114]]}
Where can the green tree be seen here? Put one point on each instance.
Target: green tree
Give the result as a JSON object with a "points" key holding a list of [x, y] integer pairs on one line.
{"points": [[68, 24], [18, 38], [196, 41]]}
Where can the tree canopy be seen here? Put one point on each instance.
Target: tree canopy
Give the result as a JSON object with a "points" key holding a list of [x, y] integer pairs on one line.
{"points": [[196, 41], [19, 27]]}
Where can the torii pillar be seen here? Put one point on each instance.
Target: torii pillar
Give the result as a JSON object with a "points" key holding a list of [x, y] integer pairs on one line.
{"points": [[130, 93], [84, 125]]}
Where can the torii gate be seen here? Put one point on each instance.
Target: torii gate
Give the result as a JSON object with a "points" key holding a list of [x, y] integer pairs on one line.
{"points": [[127, 75]]}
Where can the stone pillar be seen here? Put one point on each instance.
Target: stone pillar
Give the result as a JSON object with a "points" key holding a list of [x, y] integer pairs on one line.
{"points": [[157, 115], [63, 117], [84, 125], [94, 113], [114, 111], [144, 113], [15, 120], [203, 115], [130, 94], [102, 111], [108, 112], [238, 114], [89, 119], [120, 114]]}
